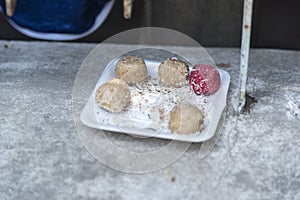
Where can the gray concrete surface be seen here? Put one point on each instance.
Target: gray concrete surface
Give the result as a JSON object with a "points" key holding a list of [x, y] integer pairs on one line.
{"points": [[41, 157]]}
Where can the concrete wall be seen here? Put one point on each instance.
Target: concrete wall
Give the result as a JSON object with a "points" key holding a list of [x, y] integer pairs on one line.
{"points": [[210, 22]]}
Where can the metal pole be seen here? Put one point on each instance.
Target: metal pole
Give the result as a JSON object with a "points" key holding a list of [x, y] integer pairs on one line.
{"points": [[244, 57]]}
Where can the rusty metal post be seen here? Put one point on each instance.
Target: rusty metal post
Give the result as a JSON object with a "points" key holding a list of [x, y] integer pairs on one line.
{"points": [[244, 57]]}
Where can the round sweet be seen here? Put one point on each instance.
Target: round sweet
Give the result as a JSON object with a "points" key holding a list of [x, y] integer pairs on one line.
{"points": [[204, 79], [113, 95], [173, 72], [185, 119], [131, 69]]}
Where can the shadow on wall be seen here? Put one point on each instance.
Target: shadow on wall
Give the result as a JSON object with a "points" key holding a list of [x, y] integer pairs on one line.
{"points": [[214, 23]]}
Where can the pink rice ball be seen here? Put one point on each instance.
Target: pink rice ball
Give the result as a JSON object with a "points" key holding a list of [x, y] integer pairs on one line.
{"points": [[204, 79]]}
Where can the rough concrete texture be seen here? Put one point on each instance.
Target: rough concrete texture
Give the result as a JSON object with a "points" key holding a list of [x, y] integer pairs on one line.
{"points": [[41, 157]]}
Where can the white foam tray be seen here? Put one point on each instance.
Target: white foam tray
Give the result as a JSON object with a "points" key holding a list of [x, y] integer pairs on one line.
{"points": [[145, 121]]}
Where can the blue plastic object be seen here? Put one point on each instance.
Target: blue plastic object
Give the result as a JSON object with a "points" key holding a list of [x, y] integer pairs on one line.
{"points": [[56, 16]]}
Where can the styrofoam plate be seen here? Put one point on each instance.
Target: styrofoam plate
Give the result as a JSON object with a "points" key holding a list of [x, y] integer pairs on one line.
{"points": [[147, 114]]}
